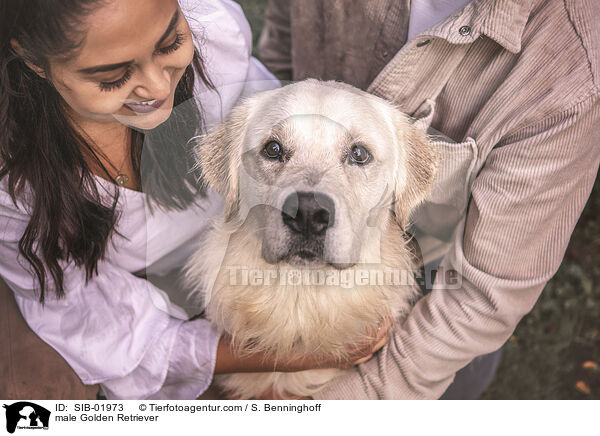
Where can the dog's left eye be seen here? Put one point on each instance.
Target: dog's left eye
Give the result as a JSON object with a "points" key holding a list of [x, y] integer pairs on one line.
{"points": [[359, 155], [273, 150]]}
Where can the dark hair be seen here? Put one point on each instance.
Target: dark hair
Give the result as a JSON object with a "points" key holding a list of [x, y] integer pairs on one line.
{"points": [[44, 157]]}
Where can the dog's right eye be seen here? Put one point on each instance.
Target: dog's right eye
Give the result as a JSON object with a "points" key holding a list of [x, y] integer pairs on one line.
{"points": [[273, 150], [359, 155]]}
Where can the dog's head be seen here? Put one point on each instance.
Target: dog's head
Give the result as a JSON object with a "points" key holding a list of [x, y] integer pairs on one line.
{"points": [[319, 166]]}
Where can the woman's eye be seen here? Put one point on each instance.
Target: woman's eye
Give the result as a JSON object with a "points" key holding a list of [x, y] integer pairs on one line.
{"points": [[179, 37], [273, 150], [359, 155], [110, 86]]}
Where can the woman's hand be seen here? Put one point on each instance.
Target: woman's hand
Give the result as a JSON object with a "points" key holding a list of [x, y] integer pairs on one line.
{"points": [[228, 361]]}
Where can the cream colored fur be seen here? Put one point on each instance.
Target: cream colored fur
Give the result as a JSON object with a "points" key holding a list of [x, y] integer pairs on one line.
{"points": [[315, 319]]}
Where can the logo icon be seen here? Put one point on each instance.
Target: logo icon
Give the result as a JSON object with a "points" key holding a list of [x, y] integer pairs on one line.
{"points": [[25, 415]]}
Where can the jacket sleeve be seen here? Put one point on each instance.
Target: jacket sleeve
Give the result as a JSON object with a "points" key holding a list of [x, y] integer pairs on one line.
{"points": [[524, 206], [275, 44], [113, 329]]}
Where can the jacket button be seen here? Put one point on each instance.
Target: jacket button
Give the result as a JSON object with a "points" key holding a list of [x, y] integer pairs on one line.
{"points": [[465, 30]]}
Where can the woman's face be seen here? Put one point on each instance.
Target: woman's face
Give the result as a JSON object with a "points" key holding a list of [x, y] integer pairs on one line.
{"points": [[134, 54]]}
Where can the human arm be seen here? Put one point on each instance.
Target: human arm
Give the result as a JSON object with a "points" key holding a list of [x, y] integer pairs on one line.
{"points": [[230, 361], [116, 328], [111, 332], [525, 203], [190, 362]]}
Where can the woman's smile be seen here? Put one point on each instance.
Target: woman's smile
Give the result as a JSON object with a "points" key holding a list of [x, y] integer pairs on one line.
{"points": [[121, 74], [145, 107]]}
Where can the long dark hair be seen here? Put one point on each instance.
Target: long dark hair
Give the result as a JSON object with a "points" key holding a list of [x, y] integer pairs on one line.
{"points": [[44, 157]]}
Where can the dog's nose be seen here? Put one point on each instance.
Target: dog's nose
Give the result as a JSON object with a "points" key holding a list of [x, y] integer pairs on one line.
{"points": [[310, 213]]}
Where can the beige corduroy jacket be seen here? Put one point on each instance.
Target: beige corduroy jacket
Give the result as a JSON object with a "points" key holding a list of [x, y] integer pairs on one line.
{"points": [[511, 92]]}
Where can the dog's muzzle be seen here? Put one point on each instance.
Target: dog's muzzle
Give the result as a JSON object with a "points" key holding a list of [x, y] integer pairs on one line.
{"points": [[308, 214]]}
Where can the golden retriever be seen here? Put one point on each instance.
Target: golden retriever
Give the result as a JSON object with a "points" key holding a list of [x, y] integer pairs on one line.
{"points": [[318, 180]]}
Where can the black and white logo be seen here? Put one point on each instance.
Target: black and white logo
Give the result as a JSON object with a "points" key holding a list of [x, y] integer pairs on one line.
{"points": [[25, 415]]}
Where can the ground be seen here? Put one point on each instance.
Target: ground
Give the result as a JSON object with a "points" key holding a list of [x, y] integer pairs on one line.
{"points": [[555, 351]]}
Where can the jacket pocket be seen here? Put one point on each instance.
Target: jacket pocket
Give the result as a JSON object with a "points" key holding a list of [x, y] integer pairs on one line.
{"points": [[435, 221]]}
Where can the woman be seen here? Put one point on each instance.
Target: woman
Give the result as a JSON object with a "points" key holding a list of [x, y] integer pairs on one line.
{"points": [[97, 193]]}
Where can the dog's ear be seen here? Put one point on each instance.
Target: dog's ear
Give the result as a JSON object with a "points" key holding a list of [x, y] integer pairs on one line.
{"points": [[219, 155], [415, 171]]}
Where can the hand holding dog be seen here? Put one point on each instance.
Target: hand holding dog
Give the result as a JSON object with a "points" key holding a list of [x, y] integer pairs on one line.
{"points": [[380, 334], [229, 361]]}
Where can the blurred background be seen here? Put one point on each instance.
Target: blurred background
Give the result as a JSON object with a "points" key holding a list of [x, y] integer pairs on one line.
{"points": [[555, 351]]}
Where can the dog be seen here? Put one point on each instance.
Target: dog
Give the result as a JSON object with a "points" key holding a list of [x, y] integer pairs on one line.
{"points": [[318, 180]]}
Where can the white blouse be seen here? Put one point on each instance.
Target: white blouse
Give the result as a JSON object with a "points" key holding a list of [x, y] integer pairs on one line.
{"points": [[118, 329], [425, 13]]}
